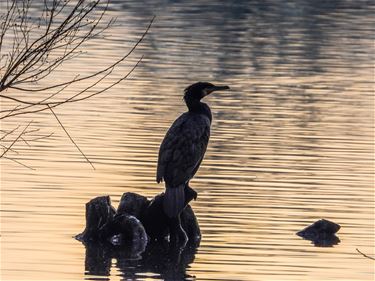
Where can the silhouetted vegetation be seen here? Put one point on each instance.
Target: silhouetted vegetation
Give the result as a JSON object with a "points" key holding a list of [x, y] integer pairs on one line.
{"points": [[36, 39]]}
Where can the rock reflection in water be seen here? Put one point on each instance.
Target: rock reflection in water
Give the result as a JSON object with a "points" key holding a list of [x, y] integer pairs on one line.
{"points": [[135, 262]]}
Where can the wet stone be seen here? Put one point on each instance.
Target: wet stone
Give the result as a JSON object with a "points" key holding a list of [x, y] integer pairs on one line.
{"points": [[136, 221], [321, 233]]}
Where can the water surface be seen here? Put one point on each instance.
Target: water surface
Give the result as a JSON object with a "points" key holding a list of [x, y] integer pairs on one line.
{"points": [[291, 143]]}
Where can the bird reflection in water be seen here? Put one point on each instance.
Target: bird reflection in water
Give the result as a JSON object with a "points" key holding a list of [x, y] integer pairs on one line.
{"points": [[139, 260]]}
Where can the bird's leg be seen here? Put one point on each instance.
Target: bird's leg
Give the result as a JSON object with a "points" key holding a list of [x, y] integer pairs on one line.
{"points": [[177, 234]]}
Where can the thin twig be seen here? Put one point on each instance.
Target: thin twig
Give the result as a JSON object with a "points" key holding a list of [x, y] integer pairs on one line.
{"points": [[37, 52], [31, 139], [8, 132], [73, 98], [18, 162], [366, 256], [75, 80], [11, 149], [38, 103], [10, 111], [15, 140], [62, 126]]}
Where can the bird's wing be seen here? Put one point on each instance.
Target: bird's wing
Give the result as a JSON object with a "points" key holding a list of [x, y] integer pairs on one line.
{"points": [[183, 148]]}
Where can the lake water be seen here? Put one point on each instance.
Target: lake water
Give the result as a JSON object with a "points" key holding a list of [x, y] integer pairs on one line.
{"points": [[292, 142]]}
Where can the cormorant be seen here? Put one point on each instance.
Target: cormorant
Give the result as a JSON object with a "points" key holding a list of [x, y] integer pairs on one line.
{"points": [[182, 152]]}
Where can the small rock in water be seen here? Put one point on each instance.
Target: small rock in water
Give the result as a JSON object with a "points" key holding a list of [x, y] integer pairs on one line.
{"points": [[321, 233]]}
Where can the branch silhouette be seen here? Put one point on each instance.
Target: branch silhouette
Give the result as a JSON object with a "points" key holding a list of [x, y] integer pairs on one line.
{"points": [[34, 47]]}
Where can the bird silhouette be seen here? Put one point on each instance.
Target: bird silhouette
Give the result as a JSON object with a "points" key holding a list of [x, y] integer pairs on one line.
{"points": [[182, 152]]}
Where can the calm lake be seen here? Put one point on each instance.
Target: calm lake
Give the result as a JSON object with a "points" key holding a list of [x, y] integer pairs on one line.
{"points": [[291, 142]]}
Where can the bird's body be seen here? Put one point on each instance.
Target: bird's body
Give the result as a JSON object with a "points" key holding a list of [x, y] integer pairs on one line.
{"points": [[183, 148], [180, 156]]}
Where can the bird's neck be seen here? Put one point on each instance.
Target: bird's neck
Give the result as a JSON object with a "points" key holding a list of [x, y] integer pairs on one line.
{"points": [[196, 106]]}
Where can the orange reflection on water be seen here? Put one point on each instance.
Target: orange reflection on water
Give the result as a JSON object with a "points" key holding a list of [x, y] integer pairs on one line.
{"points": [[291, 143]]}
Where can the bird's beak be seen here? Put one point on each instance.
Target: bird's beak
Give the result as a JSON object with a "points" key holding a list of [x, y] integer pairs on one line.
{"points": [[216, 88]]}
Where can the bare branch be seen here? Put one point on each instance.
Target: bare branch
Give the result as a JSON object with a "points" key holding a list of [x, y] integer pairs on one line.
{"points": [[5, 24], [15, 140], [71, 139], [18, 162], [34, 104], [72, 99], [28, 57], [75, 80], [366, 256], [39, 49], [9, 132], [31, 139], [11, 149], [33, 46]]}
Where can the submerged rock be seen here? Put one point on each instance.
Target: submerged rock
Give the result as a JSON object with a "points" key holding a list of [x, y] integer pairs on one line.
{"points": [[321, 233]]}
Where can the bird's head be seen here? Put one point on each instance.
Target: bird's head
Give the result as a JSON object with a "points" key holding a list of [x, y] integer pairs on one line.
{"points": [[199, 90]]}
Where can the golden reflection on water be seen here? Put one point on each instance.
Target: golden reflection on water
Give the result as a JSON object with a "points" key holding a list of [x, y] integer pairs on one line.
{"points": [[292, 142]]}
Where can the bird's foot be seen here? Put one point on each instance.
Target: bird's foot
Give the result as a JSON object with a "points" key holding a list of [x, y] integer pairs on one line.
{"points": [[178, 237], [182, 236]]}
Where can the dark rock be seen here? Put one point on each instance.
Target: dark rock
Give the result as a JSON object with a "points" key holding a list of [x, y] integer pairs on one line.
{"points": [[135, 217], [129, 228], [132, 204], [190, 224], [99, 216], [322, 226], [155, 220], [325, 240], [123, 235], [130, 233], [321, 233], [102, 222], [157, 223]]}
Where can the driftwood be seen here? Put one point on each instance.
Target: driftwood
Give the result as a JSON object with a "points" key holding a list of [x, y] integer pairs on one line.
{"points": [[136, 221], [321, 233]]}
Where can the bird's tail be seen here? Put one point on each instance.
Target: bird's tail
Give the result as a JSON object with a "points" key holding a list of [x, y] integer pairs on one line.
{"points": [[174, 200]]}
